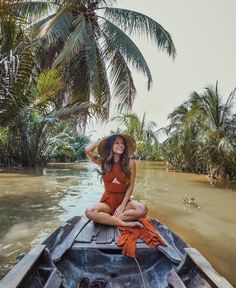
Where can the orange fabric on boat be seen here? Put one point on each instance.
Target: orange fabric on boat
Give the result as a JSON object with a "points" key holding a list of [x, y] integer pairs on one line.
{"points": [[129, 236]]}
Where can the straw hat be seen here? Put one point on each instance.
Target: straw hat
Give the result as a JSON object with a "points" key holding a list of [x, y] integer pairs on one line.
{"points": [[130, 143]]}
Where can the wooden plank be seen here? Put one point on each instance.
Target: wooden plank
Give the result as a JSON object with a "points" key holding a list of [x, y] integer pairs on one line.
{"points": [[174, 281], [54, 280], [207, 269], [105, 246], [171, 253], [87, 233], [110, 234], [60, 249], [97, 228], [18, 272], [94, 245], [102, 235], [60, 234], [198, 280]]}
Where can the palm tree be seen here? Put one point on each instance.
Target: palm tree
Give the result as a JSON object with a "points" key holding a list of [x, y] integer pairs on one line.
{"points": [[216, 126], [89, 41], [202, 137], [145, 134], [87, 44], [65, 143], [179, 116], [16, 78]]}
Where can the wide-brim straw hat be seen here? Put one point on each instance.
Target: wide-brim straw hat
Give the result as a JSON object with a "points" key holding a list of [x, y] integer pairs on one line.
{"points": [[130, 144]]}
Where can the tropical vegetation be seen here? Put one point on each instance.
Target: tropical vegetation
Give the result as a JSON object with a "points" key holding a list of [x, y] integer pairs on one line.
{"points": [[65, 143], [202, 135], [145, 133], [64, 59]]}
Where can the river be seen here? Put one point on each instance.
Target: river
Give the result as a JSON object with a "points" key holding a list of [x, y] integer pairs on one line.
{"points": [[35, 202]]}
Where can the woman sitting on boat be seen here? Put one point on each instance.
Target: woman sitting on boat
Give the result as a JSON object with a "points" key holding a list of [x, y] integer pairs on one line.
{"points": [[118, 172]]}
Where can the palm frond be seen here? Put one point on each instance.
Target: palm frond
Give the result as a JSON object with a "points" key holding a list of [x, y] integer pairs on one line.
{"points": [[135, 22], [77, 78], [75, 42], [37, 25], [151, 126], [178, 116], [143, 123], [107, 2], [72, 109], [101, 90], [31, 9], [92, 52], [57, 27], [48, 87], [123, 85], [163, 132], [228, 106], [115, 39]]}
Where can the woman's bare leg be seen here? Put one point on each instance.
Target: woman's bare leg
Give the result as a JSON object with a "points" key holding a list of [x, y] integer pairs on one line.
{"points": [[101, 213], [133, 211]]}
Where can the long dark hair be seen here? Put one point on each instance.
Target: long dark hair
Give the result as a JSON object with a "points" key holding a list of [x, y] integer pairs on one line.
{"points": [[108, 157]]}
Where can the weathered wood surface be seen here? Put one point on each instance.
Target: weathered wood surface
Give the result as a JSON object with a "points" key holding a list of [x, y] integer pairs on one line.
{"points": [[54, 280], [59, 235], [100, 236], [174, 281], [83, 233], [18, 272], [106, 235], [60, 249], [206, 268], [87, 233], [170, 237], [171, 253], [102, 246], [96, 233], [197, 281]]}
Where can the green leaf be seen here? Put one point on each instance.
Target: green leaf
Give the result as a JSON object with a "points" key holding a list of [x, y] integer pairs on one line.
{"points": [[140, 24]]}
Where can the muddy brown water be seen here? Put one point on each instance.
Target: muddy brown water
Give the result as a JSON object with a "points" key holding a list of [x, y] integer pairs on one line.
{"points": [[33, 203]]}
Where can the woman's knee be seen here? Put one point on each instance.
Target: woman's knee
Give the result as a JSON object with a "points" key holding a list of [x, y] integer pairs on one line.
{"points": [[91, 213], [142, 209]]}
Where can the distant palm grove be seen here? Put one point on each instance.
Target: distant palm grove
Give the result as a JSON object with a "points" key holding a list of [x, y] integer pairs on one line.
{"points": [[63, 63], [202, 135]]}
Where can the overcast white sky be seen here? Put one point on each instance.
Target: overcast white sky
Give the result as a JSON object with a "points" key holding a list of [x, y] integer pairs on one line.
{"points": [[204, 33]]}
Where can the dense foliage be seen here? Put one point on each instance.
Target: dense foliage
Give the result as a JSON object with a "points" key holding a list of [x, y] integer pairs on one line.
{"points": [[202, 135], [61, 59], [145, 134], [65, 143]]}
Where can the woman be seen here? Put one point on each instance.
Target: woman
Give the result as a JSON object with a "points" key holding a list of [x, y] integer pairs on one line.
{"points": [[118, 172]]}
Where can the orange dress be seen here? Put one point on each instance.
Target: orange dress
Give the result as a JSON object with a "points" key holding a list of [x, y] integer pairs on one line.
{"points": [[114, 192]]}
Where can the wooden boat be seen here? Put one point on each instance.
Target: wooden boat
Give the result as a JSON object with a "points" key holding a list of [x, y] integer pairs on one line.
{"points": [[81, 248]]}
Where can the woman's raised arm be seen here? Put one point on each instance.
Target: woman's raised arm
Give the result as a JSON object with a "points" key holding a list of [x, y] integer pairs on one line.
{"points": [[89, 151]]}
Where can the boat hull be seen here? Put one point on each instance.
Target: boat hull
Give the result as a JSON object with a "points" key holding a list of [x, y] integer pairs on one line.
{"points": [[82, 249]]}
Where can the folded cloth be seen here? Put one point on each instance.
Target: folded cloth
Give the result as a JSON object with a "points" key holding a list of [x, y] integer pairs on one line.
{"points": [[148, 234]]}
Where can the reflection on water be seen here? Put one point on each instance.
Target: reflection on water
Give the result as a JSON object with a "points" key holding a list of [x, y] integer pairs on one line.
{"points": [[34, 203]]}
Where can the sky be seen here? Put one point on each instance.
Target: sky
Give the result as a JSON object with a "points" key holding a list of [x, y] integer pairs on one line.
{"points": [[204, 34]]}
